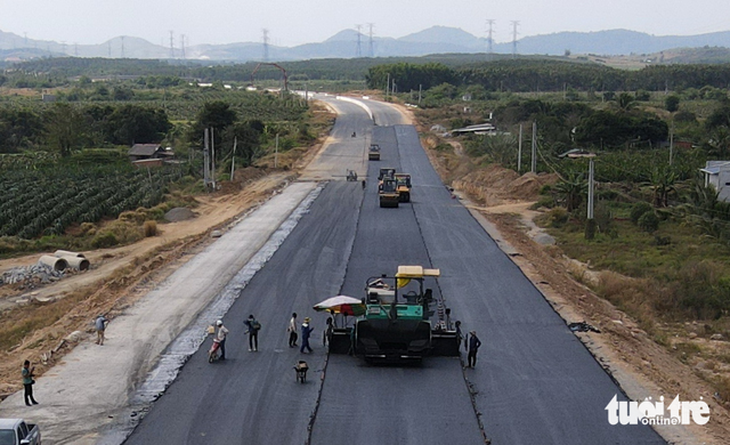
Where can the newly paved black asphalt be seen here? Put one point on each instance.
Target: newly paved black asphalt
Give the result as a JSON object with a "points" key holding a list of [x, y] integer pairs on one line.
{"points": [[535, 383]]}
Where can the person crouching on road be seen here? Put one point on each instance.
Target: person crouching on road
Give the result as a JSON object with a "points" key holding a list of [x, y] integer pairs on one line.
{"points": [[253, 333], [306, 332], [474, 344], [292, 329], [221, 336]]}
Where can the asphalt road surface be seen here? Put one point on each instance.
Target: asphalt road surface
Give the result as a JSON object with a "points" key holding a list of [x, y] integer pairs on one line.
{"points": [[535, 383]]}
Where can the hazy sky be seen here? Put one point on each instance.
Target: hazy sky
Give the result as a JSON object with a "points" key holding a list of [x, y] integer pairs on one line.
{"points": [[293, 22]]}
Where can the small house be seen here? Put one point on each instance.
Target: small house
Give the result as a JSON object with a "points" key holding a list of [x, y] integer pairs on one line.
{"points": [[717, 175], [149, 154]]}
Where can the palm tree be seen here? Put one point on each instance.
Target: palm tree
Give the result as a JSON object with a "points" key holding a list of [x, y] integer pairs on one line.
{"points": [[570, 190], [662, 183], [626, 101]]}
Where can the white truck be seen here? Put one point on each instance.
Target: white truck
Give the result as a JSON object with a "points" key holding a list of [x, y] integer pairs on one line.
{"points": [[17, 432]]}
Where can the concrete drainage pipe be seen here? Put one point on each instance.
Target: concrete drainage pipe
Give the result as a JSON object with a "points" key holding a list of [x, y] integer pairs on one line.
{"points": [[54, 262], [77, 263], [67, 253]]}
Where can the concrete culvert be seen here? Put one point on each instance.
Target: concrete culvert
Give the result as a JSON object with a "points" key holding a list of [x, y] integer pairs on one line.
{"points": [[78, 263], [68, 253], [54, 262]]}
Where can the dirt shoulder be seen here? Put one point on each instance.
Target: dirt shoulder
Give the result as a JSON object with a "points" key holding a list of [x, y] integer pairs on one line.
{"points": [[118, 277]]}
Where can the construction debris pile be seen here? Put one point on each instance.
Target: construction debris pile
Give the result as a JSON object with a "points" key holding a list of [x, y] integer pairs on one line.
{"points": [[49, 268], [30, 277]]}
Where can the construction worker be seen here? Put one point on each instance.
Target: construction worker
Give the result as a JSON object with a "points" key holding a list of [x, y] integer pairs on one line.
{"points": [[292, 329], [474, 344], [221, 336]]}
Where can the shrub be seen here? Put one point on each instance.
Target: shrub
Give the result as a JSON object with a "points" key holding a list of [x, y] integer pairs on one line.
{"points": [[104, 239], [671, 103], [649, 222], [638, 210], [558, 217], [135, 217], [149, 228]]}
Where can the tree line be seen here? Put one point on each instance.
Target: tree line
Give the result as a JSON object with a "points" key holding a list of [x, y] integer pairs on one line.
{"points": [[527, 75]]}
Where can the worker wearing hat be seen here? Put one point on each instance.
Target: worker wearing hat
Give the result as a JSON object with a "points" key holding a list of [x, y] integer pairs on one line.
{"points": [[306, 332]]}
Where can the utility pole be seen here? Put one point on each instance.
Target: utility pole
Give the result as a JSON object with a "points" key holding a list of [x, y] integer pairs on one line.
{"points": [[590, 187], [387, 87], [519, 152], [590, 221], [206, 158], [358, 53], [534, 147], [233, 157], [276, 152], [212, 157], [515, 23], [490, 22]]}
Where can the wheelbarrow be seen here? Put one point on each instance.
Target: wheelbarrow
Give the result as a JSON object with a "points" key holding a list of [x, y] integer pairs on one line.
{"points": [[301, 369]]}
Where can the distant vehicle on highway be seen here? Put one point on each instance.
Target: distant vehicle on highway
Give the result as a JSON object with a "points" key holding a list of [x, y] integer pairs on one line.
{"points": [[374, 152], [17, 432]]}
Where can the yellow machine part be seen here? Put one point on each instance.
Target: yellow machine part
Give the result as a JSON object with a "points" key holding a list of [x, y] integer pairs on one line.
{"points": [[406, 273]]}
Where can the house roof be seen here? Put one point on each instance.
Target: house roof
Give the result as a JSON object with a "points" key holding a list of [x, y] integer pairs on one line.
{"points": [[479, 128], [143, 149], [715, 167]]}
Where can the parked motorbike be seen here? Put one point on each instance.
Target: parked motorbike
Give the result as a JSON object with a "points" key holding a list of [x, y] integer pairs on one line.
{"points": [[214, 353]]}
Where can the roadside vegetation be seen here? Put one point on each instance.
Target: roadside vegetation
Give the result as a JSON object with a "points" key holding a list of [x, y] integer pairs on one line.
{"points": [[660, 238], [64, 163]]}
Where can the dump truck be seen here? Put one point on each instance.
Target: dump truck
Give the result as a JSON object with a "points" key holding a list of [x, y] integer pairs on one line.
{"points": [[403, 321], [403, 185], [388, 193], [374, 152]]}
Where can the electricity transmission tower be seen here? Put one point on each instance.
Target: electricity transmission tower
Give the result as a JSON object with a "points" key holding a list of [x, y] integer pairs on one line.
{"points": [[371, 51], [266, 44], [490, 22], [182, 46], [358, 53], [172, 46], [515, 24]]}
